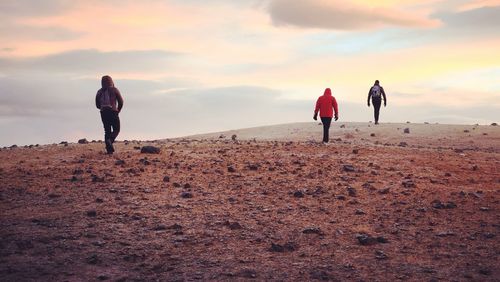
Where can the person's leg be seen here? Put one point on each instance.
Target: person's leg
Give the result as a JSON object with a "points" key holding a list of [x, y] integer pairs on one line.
{"points": [[107, 123], [376, 107], [326, 128], [116, 126]]}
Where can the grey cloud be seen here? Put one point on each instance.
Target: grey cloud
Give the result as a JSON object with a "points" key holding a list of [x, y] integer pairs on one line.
{"points": [[53, 33], [16, 8], [316, 14], [93, 61], [477, 19]]}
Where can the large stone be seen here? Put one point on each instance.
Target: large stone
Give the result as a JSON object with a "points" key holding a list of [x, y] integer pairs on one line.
{"points": [[150, 150]]}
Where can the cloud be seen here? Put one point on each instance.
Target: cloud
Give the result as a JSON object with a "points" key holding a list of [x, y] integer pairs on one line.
{"points": [[43, 33], [340, 16], [93, 61], [476, 20], [476, 4], [29, 8]]}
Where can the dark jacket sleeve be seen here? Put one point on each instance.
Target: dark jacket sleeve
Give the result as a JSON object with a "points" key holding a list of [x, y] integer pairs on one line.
{"points": [[98, 100], [383, 95], [119, 99], [369, 94]]}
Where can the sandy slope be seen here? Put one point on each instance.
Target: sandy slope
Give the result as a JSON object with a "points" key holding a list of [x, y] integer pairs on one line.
{"points": [[429, 135], [361, 209]]}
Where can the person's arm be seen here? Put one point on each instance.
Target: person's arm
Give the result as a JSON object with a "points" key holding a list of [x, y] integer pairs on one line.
{"points": [[98, 100], [119, 99], [335, 108], [383, 95], [369, 95], [316, 109]]}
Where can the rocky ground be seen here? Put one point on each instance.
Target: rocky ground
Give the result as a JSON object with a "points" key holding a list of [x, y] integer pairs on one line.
{"points": [[222, 209]]}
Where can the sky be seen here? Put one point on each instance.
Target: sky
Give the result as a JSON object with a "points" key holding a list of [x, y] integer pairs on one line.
{"points": [[193, 66]]}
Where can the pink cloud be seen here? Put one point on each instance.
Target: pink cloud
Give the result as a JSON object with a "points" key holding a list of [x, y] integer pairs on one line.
{"points": [[341, 16]]}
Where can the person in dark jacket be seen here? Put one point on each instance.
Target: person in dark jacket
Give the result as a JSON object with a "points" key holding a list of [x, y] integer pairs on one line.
{"points": [[325, 105], [109, 100], [377, 93]]}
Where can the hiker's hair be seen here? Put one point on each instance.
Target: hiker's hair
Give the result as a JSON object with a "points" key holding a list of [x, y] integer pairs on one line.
{"points": [[107, 82], [376, 82]]}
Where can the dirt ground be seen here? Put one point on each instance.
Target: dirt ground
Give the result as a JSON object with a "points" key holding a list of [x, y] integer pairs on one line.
{"points": [[363, 208]]}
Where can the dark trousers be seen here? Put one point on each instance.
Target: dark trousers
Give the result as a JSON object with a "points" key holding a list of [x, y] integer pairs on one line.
{"points": [[376, 106], [111, 123], [326, 127]]}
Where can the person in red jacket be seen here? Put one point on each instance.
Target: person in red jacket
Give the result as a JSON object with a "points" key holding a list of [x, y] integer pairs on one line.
{"points": [[109, 100], [326, 104]]}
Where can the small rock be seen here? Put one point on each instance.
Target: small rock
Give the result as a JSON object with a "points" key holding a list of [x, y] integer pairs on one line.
{"points": [[166, 179], [351, 191], [233, 137], [120, 162], [92, 213], [103, 277], [379, 254], [253, 167], [359, 212], [247, 273], [160, 227], [322, 275], [355, 151], [233, 225], [484, 209], [403, 144], [439, 205], [312, 230], [494, 124], [231, 169], [83, 141], [372, 135], [93, 259], [342, 126], [445, 234], [96, 178], [298, 194], [485, 271], [176, 185], [187, 186], [186, 195], [365, 239], [348, 168], [288, 247], [408, 183], [150, 150], [99, 200], [447, 174], [406, 130], [475, 167], [222, 136], [384, 190]]}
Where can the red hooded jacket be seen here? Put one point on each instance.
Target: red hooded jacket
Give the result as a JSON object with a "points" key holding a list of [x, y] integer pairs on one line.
{"points": [[326, 104]]}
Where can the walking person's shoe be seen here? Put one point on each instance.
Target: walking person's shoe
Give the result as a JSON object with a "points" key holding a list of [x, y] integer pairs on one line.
{"points": [[109, 146]]}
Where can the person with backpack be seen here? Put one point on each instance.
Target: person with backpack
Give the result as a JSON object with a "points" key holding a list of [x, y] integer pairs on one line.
{"points": [[325, 105], [376, 93], [110, 102]]}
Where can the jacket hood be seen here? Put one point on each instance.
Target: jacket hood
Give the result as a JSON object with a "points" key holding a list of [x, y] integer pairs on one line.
{"points": [[328, 92], [107, 82]]}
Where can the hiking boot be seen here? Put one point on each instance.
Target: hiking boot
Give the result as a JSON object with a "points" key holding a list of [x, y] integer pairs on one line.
{"points": [[109, 146]]}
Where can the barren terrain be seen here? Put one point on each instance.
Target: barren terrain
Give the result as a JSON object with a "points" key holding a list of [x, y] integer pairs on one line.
{"points": [[376, 204]]}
